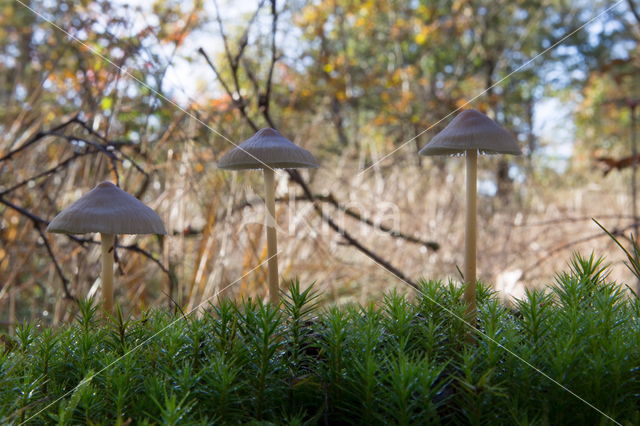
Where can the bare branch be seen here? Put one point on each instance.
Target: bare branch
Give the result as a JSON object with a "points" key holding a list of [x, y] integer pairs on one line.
{"points": [[265, 100], [37, 223], [329, 199], [244, 39], [47, 172], [217, 73], [234, 61], [550, 253], [634, 10], [295, 176], [571, 219], [37, 137], [23, 211], [225, 41], [65, 281], [235, 96], [136, 248]]}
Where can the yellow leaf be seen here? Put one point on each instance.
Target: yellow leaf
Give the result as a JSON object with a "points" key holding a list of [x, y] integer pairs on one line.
{"points": [[423, 35], [106, 103]]}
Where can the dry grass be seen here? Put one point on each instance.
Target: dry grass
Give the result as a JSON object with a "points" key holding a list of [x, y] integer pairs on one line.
{"points": [[534, 230], [218, 238]]}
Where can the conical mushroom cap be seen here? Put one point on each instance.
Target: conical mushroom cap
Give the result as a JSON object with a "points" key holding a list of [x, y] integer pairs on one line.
{"points": [[267, 148], [472, 130], [109, 210]]}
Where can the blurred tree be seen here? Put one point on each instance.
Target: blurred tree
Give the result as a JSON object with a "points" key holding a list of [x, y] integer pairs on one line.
{"points": [[389, 69]]}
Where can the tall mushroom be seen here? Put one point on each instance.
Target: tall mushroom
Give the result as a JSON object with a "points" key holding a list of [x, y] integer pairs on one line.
{"points": [[108, 210], [268, 150], [470, 133]]}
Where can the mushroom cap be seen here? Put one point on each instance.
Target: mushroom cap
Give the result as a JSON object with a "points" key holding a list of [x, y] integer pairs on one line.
{"points": [[109, 210], [267, 148], [472, 130]]}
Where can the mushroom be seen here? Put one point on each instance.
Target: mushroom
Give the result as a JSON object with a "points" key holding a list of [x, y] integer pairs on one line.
{"points": [[268, 150], [108, 210], [470, 133]]}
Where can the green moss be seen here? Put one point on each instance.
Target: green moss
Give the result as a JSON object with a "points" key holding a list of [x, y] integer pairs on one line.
{"points": [[406, 361]]}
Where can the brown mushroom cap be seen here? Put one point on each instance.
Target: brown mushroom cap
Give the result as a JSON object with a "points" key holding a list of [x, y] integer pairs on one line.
{"points": [[472, 130], [267, 149], [109, 210]]}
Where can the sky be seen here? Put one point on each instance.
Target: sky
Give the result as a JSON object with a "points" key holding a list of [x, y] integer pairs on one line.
{"points": [[190, 77]]}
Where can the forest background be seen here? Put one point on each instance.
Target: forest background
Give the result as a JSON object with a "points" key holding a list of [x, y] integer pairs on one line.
{"points": [[151, 94]]}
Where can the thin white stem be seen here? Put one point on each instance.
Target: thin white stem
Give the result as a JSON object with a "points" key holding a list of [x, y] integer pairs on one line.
{"points": [[106, 244], [470, 235], [272, 240]]}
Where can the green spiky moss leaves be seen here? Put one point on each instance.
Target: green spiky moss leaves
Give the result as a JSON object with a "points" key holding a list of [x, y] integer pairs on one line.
{"points": [[402, 360]]}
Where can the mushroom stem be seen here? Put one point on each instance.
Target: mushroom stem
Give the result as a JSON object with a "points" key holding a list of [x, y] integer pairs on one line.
{"points": [[470, 236], [272, 242], [106, 244]]}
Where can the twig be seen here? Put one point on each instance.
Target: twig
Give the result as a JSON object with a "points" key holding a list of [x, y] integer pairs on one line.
{"points": [[265, 101], [65, 281], [37, 137], [136, 248], [634, 10], [23, 211], [47, 172], [565, 246], [432, 245], [236, 98], [396, 234], [571, 220], [343, 232]]}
